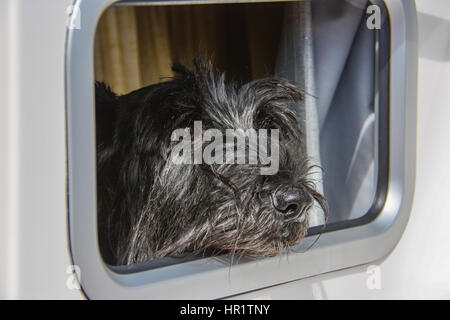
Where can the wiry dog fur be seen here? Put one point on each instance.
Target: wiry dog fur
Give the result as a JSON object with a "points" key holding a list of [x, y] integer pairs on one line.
{"points": [[150, 207]]}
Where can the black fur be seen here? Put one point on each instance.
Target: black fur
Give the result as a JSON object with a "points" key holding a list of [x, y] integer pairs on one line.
{"points": [[149, 207]]}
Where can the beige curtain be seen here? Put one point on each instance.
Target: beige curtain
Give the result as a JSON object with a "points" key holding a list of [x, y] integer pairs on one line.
{"points": [[136, 46]]}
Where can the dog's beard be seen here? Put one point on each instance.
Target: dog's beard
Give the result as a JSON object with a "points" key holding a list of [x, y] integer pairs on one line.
{"points": [[235, 216]]}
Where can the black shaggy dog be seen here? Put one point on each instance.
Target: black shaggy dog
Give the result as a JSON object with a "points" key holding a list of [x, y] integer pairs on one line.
{"points": [[151, 207]]}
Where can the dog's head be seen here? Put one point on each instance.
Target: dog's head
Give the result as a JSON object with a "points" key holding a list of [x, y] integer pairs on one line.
{"points": [[230, 173]]}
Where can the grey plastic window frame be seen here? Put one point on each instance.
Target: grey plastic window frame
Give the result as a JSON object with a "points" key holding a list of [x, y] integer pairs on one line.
{"points": [[342, 245]]}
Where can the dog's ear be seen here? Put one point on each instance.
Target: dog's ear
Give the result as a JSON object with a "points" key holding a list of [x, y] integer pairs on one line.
{"points": [[197, 80], [201, 74], [181, 69]]}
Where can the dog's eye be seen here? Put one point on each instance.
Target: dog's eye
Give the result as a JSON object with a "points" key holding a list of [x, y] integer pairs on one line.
{"points": [[190, 132]]}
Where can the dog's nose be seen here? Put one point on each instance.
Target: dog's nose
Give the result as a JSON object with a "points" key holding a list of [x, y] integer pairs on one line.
{"points": [[290, 203]]}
